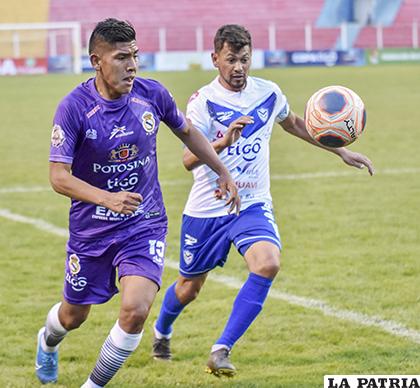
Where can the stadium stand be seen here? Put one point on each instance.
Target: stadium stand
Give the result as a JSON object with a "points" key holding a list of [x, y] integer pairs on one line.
{"points": [[180, 20], [399, 34]]}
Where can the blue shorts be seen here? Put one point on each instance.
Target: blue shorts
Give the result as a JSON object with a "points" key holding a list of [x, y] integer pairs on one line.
{"points": [[205, 242], [91, 267]]}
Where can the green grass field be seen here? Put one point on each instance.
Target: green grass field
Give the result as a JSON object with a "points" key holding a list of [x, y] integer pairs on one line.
{"points": [[350, 240]]}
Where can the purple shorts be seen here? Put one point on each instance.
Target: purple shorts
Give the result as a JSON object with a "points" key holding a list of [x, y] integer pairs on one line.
{"points": [[91, 267]]}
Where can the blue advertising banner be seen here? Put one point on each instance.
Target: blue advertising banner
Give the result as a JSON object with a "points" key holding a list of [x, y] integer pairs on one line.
{"points": [[146, 62], [60, 64], [353, 57], [275, 58]]}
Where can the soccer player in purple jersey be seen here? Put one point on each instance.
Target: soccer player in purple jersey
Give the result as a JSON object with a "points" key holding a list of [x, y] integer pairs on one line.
{"points": [[103, 156], [236, 112]]}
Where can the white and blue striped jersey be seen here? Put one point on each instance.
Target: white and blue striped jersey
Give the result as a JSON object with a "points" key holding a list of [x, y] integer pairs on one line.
{"points": [[211, 110]]}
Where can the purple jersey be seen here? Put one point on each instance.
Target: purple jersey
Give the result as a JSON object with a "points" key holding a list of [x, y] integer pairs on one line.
{"points": [[111, 144]]}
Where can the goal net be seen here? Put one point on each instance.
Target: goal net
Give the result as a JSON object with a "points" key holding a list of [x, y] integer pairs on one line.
{"points": [[40, 47]]}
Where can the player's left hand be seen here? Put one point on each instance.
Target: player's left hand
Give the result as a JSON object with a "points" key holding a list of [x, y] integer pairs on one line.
{"points": [[228, 191], [356, 159]]}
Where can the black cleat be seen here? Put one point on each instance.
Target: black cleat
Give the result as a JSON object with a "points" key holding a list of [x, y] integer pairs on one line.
{"points": [[219, 364], [162, 349]]}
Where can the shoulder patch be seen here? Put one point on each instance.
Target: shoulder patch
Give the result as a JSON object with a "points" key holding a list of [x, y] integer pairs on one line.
{"points": [[194, 96], [57, 136]]}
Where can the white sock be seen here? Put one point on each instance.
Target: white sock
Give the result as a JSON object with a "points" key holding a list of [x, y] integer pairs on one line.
{"points": [[159, 335], [115, 350], [54, 330], [217, 347], [125, 340]]}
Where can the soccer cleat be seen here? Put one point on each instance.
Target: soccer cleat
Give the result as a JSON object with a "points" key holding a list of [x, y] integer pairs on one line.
{"points": [[46, 364], [219, 364], [162, 349]]}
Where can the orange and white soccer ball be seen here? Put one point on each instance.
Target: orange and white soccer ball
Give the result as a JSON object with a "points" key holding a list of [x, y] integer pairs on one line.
{"points": [[335, 116]]}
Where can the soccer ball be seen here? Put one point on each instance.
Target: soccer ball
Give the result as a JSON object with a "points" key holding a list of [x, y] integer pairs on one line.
{"points": [[335, 116]]}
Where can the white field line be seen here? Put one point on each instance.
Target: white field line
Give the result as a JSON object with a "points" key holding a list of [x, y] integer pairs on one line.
{"points": [[390, 327], [275, 177]]}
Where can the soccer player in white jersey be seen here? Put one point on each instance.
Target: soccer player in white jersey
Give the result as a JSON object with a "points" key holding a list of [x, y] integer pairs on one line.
{"points": [[236, 113]]}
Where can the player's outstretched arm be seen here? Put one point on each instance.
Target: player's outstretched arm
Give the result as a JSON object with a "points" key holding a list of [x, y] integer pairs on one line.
{"points": [[63, 182], [295, 125], [232, 134], [199, 146], [355, 159]]}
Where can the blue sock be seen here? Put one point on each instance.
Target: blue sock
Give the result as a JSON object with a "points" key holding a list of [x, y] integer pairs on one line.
{"points": [[247, 305], [171, 308]]}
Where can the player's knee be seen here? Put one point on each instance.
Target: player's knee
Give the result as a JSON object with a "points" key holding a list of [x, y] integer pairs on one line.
{"points": [[270, 266], [187, 292], [134, 317]]}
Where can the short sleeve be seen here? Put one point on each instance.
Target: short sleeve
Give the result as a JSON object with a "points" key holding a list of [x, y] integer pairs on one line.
{"points": [[64, 134], [198, 114], [171, 115], [283, 108], [284, 112]]}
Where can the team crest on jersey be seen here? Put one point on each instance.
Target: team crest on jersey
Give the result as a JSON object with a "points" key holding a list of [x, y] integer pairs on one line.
{"points": [[188, 257], [120, 132], [263, 114], [148, 122], [123, 153], [57, 136], [74, 264]]}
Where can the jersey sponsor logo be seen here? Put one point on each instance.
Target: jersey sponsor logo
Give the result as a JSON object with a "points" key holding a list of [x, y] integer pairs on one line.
{"points": [[246, 185], [123, 167], [74, 264], [152, 214], [123, 153], [91, 134], [93, 111], [148, 122], [249, 169], [248, 151], [124, 184], [77, 283], [188, 257], [224, 116], [57, 136], [104, 214], [120, 132], [189, 240], [263, 114], [140, 101]]}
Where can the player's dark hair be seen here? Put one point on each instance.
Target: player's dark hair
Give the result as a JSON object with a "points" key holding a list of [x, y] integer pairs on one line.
{"points": [[234, 35], [111, 31]]}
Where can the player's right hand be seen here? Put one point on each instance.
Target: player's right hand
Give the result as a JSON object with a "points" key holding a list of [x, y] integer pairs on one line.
{"points": [[228, 191], [124, 202], [235, 128]]}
